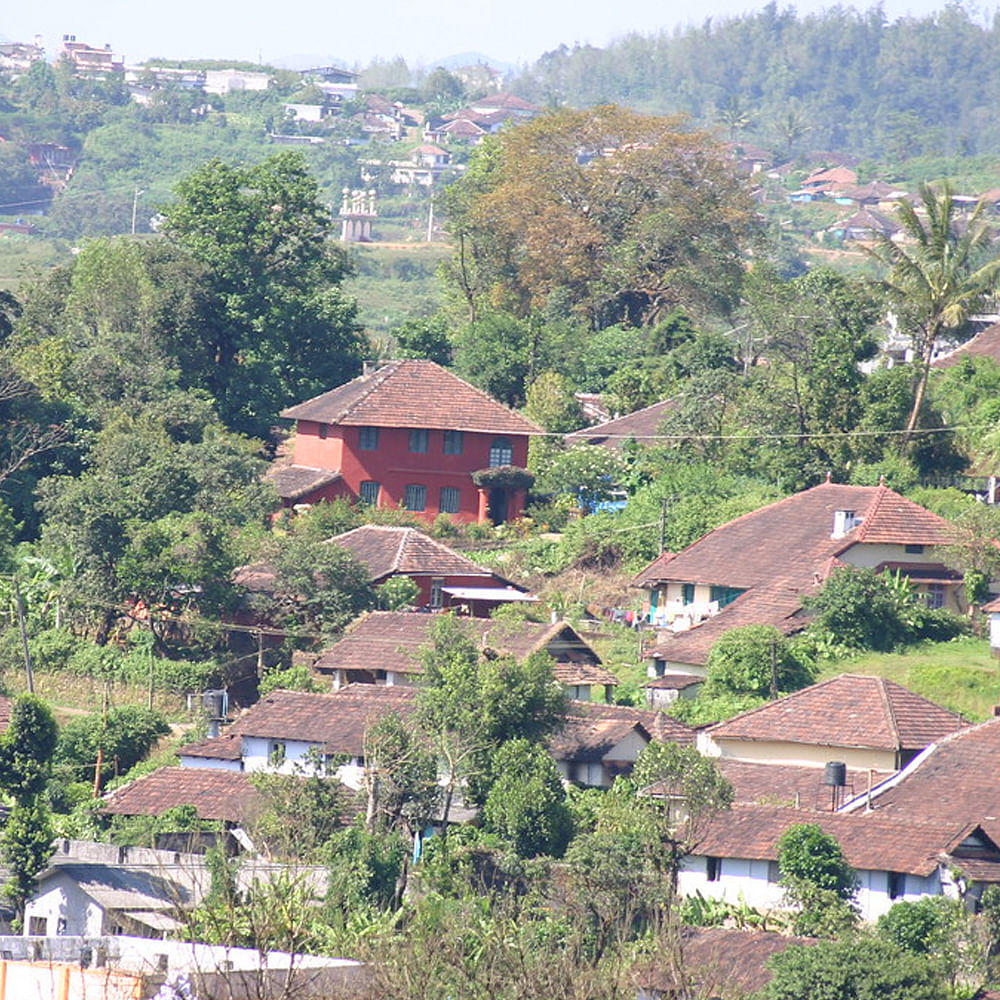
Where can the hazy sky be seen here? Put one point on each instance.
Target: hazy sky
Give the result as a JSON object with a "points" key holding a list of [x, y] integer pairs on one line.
{"points": [[356, 31]]}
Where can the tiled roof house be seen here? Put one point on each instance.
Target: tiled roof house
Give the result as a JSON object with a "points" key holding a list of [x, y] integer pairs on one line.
{"points": [[295, 732], [864, 722], [985, 344], [446, 578], [383, 647], [720, 962], [895, 860], [758, 568], [408, 435], [642, 426], [955, 778]]}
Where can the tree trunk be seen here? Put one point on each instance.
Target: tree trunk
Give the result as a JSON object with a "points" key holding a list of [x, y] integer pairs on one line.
{"points": [[921, 388]]}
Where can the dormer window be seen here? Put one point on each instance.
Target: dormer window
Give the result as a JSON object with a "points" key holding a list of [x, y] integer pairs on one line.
{"points": [[843, 522]]}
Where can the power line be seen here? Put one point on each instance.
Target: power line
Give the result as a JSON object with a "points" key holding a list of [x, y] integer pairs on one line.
{"points": [[754, 436]]}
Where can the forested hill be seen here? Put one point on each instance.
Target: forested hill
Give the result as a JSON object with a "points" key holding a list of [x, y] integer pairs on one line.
{"points": [[844, 80]]}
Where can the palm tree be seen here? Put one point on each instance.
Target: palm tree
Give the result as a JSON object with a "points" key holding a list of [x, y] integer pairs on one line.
{"points": [[936, 277]]}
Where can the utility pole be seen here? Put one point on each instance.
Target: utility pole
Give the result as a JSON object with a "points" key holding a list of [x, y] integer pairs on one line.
{"points": [[23, 628], [664, 503], [135, 206]]}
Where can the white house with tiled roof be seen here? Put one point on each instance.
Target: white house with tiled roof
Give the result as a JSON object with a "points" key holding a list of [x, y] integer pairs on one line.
{"points": [[863, 722], [383, 647], [737, 858], [758, 568], [411, 435]]}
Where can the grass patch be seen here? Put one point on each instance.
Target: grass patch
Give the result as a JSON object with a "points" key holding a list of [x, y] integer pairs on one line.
{"points": [[960, 675], [23, 257], [70, 695]]}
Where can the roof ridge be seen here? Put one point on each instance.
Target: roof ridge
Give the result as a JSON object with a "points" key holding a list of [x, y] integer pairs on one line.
{"points": [[891, 712], [377, 378], [404, 537], [774, 503], [862, 529], [480, 392]]}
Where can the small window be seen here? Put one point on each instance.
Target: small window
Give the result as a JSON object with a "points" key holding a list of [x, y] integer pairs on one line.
{"points": [[324, 429], [38, 926], [501, 453], [454, 442], [913, 550], [687, 593], [437, 594], [368, 438], [713, 868], [415, 497], [450, 496], [276, 753], [724, 595], [369, 492], [773, 872], [934, 595], [897, 884], [418, 440]]}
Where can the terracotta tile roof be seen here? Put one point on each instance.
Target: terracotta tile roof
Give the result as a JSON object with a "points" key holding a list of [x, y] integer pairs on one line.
{"points": [[391, 640], [589, 738], [985, 344], [674, 682], [869, 219], [215, 793], [955, 779], [642, 426], [992, 607], [412, 394], [659, 725], [869, 842], [385, 550], [778, 606], [582, 674], [845, 711], [719, 962], [787, 785], [256, 577], [338, 720], [831, 177], [781, 552], [294, 481], [507, 101], [226, 747]]}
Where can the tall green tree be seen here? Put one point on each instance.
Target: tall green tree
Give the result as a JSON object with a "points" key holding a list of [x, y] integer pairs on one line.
{"points": [[26, 750], [526, 804], [287, 331], [939, 277]]}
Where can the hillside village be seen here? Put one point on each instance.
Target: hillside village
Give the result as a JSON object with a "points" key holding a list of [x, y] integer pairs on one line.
{"points": [[625, 622]]}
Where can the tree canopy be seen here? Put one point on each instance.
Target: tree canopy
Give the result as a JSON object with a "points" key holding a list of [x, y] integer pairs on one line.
{"points": [[605, 213]]}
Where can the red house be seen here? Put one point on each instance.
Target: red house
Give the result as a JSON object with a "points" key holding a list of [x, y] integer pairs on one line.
{"points": [[410, 434]]}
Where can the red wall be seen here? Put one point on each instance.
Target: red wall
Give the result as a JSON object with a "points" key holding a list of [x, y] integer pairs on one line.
{"points": [[424, 583], [395, 467]]}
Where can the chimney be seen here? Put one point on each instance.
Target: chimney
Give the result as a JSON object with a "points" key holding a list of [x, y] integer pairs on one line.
{"points": [[843, 522]]}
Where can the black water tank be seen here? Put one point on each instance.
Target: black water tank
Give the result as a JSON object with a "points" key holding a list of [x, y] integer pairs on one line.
{"points": [[836, 773]]}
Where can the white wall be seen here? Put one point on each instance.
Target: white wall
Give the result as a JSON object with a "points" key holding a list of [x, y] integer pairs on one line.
{"points": [[740, 876], [210, 762], [299, 756], [799, 754], [995, 631], [62, 899]]}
